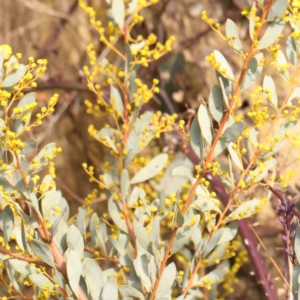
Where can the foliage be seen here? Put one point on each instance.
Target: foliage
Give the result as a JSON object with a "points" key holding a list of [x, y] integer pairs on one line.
{"points": [[156, 241]]}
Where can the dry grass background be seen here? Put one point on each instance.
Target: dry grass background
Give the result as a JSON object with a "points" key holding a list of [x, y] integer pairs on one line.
{"points": [[46, 28]]}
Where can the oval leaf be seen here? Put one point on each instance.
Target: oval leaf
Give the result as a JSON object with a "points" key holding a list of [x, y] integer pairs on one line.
{"points": [[205, 124], [152, 169]]}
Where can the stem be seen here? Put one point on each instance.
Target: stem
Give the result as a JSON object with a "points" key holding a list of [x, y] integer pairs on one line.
{"points": [[184, 292], [22, 257], [163, 263]]}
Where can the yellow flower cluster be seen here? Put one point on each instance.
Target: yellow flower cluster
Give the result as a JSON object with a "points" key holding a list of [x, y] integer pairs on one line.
{"points": [[144, 51], [215, 64]]}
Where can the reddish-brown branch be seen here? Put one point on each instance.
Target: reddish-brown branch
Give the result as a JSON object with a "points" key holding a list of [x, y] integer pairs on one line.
{"points": [[209, 157], [164, 262], [22, 257]]}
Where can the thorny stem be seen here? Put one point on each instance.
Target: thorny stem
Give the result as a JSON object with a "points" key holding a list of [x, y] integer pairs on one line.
{"points": [[211, 150]]}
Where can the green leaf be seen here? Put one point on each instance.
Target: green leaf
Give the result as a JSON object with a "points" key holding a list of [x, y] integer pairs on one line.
{"points": [[152, 169], [184, 233], [118, 13], [216, 274], [291, 51], [166, 281], [269, 84], [40, 280], [14, 77], [42, 251], [8, 223], [272, 34], [215, 103], [115, 99], [93, 278], [235, 157], [213, 242], [253, 71], [277, 10], [125, 185], [128, 291], [75, 241], [110, 290], [245, 210], [205, 123], [233, 33], [73, 271]]}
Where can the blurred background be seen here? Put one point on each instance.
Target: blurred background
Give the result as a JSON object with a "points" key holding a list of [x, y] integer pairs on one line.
{"points": [[59, 31]]}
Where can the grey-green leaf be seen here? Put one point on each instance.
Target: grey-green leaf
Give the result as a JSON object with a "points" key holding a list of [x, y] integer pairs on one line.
{"points": [[74, 271], [116, 99], [124, 184], [233, 33], [277, 9], [14, 77], [253, 71], [213, 242], [93, 278], [110, 290], [297, 242], [129, 291], [268, 83], [42, 251], [215, 103], [30, 146], [291, 51], [118, 12], [205, 123], [217, 273], [8, 223], [272, 34], [167, 279], [75, 241], [183, 235], [196, 137], [151, 169]]}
